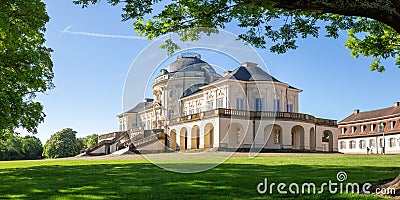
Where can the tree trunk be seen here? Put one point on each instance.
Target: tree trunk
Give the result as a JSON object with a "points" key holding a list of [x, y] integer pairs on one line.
{"points": [[386, 11], [395, 184]]}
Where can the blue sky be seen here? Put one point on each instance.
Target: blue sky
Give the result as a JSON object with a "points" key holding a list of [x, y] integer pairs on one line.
{"points": [[90, 72]]}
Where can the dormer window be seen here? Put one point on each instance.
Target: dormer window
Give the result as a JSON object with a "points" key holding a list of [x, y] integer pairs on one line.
{"points": [[362, 128], [343, 130], [373, 127], [392, 124], [353, 129]]}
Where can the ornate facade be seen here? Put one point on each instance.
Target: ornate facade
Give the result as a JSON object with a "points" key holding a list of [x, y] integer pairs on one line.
{"points": [[193, 107]]}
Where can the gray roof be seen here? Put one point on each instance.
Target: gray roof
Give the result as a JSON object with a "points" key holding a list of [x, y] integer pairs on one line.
{"points": [[251, 74], [187, 64], [140, 107]]}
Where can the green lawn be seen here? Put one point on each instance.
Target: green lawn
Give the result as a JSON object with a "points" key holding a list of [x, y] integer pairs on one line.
{"points": [[237, 178]]}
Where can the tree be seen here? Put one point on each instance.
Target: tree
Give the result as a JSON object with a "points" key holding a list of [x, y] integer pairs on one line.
{"points": [[31, 148], [17, 148], [87, 142], [11, 148], [61, 144], [25, 64], [373, 26], [80, 144], [91, 140]]}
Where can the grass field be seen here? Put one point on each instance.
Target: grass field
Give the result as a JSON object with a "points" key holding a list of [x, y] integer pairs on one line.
{"points": [[237, 178]]}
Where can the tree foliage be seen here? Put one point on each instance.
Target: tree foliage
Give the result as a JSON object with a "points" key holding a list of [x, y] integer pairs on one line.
{"points": [[25, 64], [87, 142], [18, 148], [61, 144], [91, 140], [272, 24]]}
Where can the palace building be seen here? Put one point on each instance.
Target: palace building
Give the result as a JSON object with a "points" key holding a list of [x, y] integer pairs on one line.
{"points": [[374, 132], [195, 108]]}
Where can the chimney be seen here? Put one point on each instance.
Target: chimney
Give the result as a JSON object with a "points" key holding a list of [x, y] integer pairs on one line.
{"points": [[396, 104], [356, 111], [249, 64]]}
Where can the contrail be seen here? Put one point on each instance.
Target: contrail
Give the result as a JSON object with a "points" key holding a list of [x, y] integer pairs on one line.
{"points": [[102, 35]]}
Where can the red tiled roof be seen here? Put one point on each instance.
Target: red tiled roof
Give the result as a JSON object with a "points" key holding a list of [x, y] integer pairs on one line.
{"points": [[380, 113]]}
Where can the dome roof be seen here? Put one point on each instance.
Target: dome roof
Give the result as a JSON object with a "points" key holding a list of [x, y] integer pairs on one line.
{"points": [[188, 62]]}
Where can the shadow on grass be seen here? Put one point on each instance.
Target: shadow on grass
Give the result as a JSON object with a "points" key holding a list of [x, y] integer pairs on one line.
{"points": [[146, 181]]}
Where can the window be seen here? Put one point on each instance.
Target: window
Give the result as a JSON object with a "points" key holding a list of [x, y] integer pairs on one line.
{"points": [[353, 129], [239, 104], [210, 105], [277, 137], [392, 123], [191, 111], [184, 113], [372, 143], [362, 144], [171, 94], [257, 104], [352, 144], [392, 142], [342, 145], [171, 114], [198, 110], [362, 128], [290, 107], [373, 127], [277, 105], [343, 130], [220, 103]]}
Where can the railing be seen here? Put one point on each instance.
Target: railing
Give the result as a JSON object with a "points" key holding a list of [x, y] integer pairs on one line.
{"points": [[146, 140], [327, 122], [110, 135], [221, 112]]}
